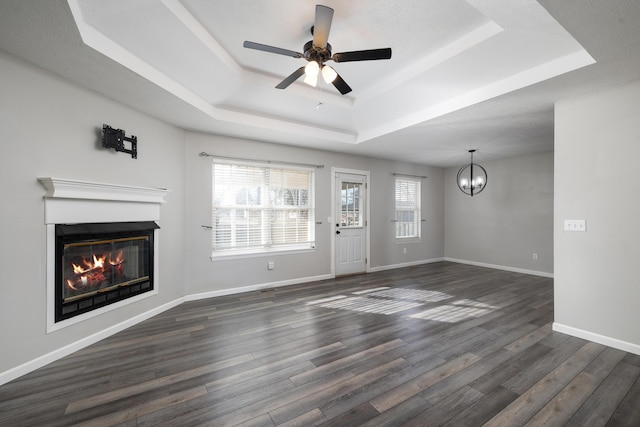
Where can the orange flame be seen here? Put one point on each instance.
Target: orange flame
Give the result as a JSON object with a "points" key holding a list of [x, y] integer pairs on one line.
{"points": [[99, 262], [91, 273], [77, 269], [118, 259]]}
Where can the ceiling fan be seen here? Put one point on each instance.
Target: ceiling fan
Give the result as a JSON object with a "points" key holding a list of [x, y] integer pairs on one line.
{"points": [[318, 51]]}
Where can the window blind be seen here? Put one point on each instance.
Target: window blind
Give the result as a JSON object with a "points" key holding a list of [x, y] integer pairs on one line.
{"points": [[407, 207], [262, 208]]}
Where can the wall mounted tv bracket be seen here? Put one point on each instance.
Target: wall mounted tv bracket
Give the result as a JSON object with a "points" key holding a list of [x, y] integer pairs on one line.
{"points": [[114, 138]]}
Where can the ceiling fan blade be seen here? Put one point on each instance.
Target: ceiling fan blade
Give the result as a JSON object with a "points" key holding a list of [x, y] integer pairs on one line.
{"points": [[271, 49], [322, 25], [341, 85], [363, 55], [292, 78]]}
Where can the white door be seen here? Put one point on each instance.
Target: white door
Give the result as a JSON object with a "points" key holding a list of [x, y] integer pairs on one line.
{"points": [[350, 223]]}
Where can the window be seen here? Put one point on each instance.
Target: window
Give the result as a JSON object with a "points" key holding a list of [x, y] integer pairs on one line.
{"points": [[407, 208], [261, 208], [351, 205]]}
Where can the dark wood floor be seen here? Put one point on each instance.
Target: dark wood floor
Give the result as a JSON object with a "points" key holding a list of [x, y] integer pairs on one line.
{"points": [[439, 344]]}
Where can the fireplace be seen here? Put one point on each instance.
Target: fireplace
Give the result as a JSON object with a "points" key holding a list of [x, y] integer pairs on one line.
{"points": [[98, 264], [84, 219]]}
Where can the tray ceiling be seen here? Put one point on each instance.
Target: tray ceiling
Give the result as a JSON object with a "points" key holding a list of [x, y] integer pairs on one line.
{"points": [[464, 73]]}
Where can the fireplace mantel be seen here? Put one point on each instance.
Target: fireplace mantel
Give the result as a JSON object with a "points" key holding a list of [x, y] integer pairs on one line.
{"points": [[74, 189], [69, 201]]}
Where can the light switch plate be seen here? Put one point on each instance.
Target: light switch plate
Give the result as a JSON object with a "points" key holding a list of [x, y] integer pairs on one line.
{"points": [[575, 225]]}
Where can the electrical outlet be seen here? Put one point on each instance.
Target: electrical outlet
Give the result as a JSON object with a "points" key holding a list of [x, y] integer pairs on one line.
{"points": [[271, 265], [404, 250], [575, 225], [535, 256]]}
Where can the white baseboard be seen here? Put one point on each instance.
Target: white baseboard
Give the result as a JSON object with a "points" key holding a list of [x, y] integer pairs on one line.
{"points": [[500, 267], [251, 288], [404, 264], [597, 338], [43, 360]]}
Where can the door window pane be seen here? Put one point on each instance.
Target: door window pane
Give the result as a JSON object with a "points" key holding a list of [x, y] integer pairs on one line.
{"points": [[351, 210]]}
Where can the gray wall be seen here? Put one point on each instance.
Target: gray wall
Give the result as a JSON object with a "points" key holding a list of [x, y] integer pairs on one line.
{"points": [[597, 148], [204, 275], [509, 221], [52, 128]]}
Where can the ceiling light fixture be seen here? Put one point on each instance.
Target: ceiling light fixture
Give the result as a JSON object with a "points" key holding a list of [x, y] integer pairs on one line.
{"points": [[313, 68], [472, 178], [311, 73], [329, 74]]}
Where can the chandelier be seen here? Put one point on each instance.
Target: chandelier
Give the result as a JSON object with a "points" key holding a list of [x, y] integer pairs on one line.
{"points": [[472, 178]]}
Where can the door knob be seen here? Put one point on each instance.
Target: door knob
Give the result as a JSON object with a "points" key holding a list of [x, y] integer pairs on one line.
{"points": [[337, 231]]}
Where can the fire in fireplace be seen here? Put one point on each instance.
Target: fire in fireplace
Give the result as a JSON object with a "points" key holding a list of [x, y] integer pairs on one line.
{"points": [[101, 263]]}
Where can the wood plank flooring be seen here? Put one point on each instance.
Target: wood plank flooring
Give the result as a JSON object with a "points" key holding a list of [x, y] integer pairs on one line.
{"points": [[438, 344]]}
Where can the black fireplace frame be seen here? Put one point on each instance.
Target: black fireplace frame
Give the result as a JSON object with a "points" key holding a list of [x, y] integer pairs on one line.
{"points": [[87, 232]]}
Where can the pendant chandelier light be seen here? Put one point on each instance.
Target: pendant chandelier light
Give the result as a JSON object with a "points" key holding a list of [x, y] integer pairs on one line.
{"points": [[472, 178]]}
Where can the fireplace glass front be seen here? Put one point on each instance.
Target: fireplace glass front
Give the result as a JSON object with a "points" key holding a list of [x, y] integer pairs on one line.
{"points": [[101, 263]]}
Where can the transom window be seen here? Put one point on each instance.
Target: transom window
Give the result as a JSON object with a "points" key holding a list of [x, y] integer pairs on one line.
{"points": [[261, 208], [407, 208]]}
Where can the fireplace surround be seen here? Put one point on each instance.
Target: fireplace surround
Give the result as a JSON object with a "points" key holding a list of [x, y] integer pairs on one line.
{"points": [[120, 226]]}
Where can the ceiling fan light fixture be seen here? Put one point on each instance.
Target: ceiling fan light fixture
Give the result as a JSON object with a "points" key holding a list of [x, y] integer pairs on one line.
{"points": [[311, 73], [329, 74], [317, 51], [312, 69], [311, 80]]}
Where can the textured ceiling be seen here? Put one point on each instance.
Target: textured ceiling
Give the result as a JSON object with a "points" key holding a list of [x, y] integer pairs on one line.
{"points": [[464, 74]]}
